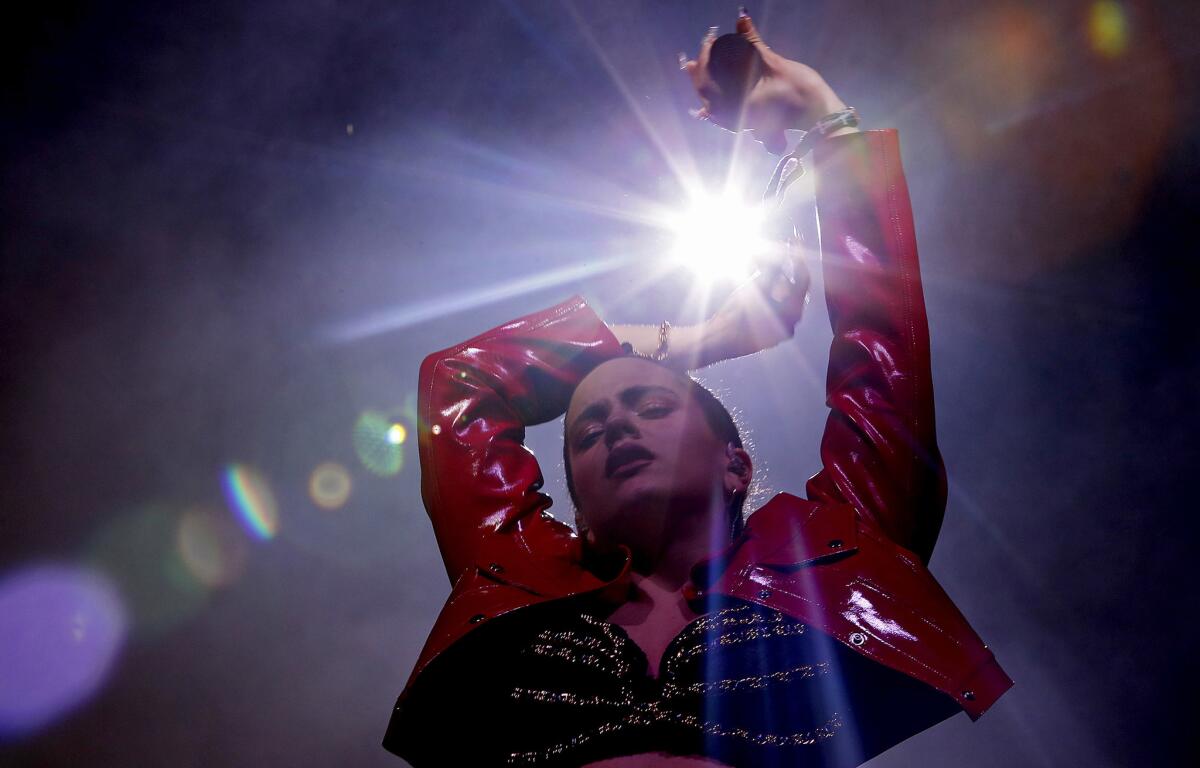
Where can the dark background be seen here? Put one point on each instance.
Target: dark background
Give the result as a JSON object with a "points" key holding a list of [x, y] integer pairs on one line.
{"points": [[204, 265]]}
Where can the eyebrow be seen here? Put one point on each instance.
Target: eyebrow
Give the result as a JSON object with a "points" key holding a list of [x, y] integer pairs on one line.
{"points": [[629, 396]]}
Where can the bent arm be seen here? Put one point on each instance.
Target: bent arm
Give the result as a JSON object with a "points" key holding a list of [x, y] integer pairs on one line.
{"points": [[879, 450], [478, 480]]}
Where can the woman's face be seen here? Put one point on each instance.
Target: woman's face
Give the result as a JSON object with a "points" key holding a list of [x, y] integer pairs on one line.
{"points": [[639, 445]]}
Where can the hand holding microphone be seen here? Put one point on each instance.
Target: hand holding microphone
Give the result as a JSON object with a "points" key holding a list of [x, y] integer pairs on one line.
{"points": [[744, 85]]}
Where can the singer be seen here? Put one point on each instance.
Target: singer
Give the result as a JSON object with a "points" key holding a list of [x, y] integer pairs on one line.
{"points": [[672, 629]]}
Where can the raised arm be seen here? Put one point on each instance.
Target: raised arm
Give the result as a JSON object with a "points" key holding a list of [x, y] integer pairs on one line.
{"points": [[879, 449], [478, 480]]}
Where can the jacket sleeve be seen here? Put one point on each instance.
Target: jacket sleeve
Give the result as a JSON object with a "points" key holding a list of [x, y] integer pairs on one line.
{"points": [[879, 451], [479, 482]]}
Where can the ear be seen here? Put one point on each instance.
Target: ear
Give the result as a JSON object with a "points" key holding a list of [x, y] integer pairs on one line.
{"points": [[739, 470]]}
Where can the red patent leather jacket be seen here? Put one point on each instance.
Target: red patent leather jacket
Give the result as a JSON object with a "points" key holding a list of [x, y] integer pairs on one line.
{"points": [[848, 560]]}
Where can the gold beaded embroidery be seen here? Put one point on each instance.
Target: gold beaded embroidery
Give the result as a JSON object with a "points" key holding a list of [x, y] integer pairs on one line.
{"points": [[801, 739], [802, 672], [733, 625], [574, 700], [734, 616], [584, 649]]}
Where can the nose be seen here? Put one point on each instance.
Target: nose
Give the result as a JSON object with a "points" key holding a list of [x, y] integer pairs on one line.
{"points": [[617, 427]]}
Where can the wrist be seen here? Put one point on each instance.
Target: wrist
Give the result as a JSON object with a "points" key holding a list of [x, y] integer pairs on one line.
{"points": [[681, 347], [694, 346], [711, 341], [838, 122], [826, 103], [843, 131]]}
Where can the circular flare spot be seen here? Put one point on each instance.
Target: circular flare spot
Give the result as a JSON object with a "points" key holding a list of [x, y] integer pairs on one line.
{"points": [[249, 496], [397, 434], [61, 628], [138, 551], [1108, 28], [374, 445], [211, 546], [329, 485]]}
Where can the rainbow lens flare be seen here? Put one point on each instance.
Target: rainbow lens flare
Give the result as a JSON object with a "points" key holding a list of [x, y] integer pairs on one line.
{"points": [[329, 485], [61, 628], [249, 496]]}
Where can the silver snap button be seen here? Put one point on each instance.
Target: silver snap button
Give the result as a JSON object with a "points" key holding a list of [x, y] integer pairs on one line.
{"points": [[436, 429], [763, 594], [477, 618], [969, 695], [858, 638]]}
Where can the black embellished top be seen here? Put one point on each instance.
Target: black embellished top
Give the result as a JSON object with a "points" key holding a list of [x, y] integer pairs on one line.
{"points": [[557, 685]]}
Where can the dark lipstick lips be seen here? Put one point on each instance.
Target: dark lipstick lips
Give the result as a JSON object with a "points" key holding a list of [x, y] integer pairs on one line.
{"points": [[623, 455]]}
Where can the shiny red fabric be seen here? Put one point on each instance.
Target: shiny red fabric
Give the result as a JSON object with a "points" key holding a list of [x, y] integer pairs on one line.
{"points": [[849, 560]]}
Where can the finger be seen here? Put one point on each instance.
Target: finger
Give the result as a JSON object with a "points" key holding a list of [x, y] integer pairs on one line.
{"points": [[706, 48], [699, 80], [746, 28]]}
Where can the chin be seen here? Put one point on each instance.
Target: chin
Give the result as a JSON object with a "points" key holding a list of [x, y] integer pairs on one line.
{"points": [[639, 492], [630, 503]]}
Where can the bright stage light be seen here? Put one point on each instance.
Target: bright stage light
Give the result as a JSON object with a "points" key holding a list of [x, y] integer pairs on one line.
{"points": [[719, 237], [396, 433]]}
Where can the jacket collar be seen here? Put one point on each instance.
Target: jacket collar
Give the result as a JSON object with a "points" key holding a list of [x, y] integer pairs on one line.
{"points": [[787, 532], [791, 532]]}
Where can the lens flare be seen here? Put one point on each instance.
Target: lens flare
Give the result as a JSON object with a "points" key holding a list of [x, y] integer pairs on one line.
{"points": [[1108, 28], [396, 434], [249, 496], [375, 445], [138, 552], [718, 237], [212, 547], [329, 485], [61, 628]]}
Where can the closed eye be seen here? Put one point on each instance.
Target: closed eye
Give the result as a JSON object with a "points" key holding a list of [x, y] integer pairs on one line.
{"points": [[588, 439], [655, 411]]}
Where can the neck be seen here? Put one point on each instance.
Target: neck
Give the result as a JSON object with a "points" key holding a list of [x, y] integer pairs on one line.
{"points": [[665, 555]]}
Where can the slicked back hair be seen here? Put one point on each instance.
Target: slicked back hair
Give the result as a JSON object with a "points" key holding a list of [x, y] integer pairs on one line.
{"points": [[723, 427], [735, 66]]}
